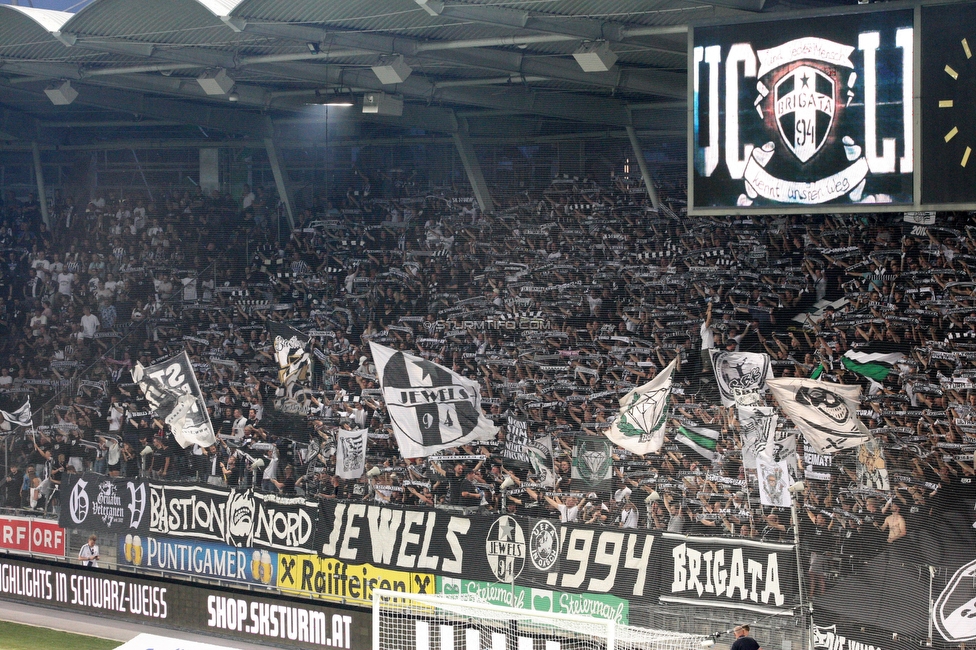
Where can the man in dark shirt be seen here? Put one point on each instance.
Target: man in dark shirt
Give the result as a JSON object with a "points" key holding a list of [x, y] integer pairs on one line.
{"points": [[470, 493], [456, 481], [11, 487], [742, 639]]}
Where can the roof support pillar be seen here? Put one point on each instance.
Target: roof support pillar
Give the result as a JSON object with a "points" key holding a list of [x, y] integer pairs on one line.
{"points": [[281, 178], [642, 163], [462, 141], [39, 177]]}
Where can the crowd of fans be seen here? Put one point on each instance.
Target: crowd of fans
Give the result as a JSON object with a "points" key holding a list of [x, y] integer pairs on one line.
{"points": [[557, 304]]}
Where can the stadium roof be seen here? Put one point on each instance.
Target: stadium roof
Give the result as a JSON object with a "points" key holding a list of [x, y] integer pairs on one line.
{"points": [[504, 68]]}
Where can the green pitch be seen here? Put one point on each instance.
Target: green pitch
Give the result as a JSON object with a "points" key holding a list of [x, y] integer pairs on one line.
{"points": [[26, 637]]}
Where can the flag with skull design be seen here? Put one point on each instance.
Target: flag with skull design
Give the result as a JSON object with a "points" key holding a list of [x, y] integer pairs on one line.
{"points": [[825, 413]]}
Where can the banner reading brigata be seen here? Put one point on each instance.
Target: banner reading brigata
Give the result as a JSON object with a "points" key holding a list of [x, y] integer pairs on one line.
{"points": [[544, 554], [256, 538], [722, 572]]}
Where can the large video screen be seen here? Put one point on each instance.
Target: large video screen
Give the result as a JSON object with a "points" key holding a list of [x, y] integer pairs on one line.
{"points": [[807, 114]]}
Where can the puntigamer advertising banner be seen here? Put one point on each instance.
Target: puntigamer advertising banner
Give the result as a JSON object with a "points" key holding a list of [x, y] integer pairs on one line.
{"points": [[203, 609], [345, 550], [207, 559]]}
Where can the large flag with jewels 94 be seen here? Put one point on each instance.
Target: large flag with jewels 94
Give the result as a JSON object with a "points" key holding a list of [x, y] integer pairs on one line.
{"points": [[639, 426], [431, 407], [825, 413]]}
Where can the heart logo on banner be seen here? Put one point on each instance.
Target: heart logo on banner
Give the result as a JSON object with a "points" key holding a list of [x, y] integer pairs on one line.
{"points": [[451, 586], [542, 603]]}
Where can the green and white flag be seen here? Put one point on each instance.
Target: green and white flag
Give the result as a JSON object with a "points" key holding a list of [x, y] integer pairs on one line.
{"points": [[700, 440], [874, 365], [639, 427], [593, 463]]}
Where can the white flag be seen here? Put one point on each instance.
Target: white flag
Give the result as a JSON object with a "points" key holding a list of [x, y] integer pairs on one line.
{"points": [[775, 478], [21, 417], [543, 461], [758, 426], [741, 376], [639, 426], [172, 391], [431, 407], [350, 451], [825, 413]]}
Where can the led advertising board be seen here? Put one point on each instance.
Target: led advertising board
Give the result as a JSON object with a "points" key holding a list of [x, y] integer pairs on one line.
{"points": [[805, 114]]}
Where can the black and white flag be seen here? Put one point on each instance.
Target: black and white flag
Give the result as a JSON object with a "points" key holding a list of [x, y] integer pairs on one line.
{"points": [[516, 437], [543, 461], [21, 417], [290, 351], [758, 425], [174, 394], [825, 413], [431, 407], [741, 376], [350, 453]]}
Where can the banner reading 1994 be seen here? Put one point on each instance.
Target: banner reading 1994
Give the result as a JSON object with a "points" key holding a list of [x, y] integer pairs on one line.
{"points": [[803, 113]]}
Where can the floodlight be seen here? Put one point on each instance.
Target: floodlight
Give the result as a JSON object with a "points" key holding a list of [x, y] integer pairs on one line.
{"points": [[382, 104], [392, 70], [595, 56], [61, 94], [215, 82]]}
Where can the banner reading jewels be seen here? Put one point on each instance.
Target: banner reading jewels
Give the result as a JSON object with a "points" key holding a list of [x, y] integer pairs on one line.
{"points": [[538, 553], [241, 535]]}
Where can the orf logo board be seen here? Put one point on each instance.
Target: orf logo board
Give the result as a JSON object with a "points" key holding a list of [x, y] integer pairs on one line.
{"points": [[15, 534], [31, 536]]}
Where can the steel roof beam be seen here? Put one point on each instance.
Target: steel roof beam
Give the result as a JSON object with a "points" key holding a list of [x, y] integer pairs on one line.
{"points": [[120, 99], [552, 104], [666, 84]]}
